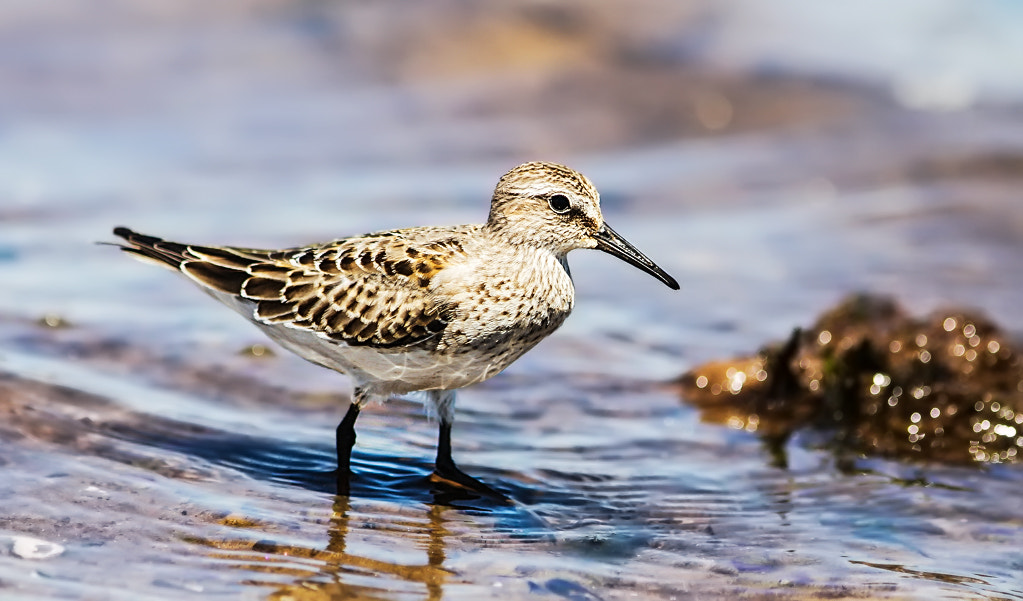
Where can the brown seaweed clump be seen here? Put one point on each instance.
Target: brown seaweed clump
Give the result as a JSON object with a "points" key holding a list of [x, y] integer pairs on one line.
{"points": [[948, 388]]}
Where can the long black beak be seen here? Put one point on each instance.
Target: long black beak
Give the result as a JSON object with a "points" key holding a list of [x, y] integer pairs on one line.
{"points": [[610, 242]]}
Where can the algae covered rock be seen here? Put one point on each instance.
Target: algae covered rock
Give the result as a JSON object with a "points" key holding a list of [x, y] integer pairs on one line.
{"points": [[946, 388]]}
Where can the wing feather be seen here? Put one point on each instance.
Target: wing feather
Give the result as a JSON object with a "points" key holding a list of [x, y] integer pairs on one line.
{"points": [[370, 290]]}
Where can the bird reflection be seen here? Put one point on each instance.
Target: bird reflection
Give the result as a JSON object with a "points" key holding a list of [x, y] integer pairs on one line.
{"points": [[340, 563], [339, 572]]}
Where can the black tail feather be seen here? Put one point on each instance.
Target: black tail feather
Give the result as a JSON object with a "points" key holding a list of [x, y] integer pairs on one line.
{"points": [[151, 247]]}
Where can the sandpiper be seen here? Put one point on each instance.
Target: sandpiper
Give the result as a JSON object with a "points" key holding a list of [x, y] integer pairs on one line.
{"points": [[420, 309]]}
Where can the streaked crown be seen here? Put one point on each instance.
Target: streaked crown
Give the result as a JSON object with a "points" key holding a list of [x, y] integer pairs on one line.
{"points": [[547, 205]]}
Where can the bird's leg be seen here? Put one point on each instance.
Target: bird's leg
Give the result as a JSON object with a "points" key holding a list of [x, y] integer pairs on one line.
{"points": [[445, 467], [346, 440]]}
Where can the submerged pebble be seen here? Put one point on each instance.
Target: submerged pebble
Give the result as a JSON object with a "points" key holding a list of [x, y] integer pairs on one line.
{"points": [[53, 320], [27, 547], [946, 388]]}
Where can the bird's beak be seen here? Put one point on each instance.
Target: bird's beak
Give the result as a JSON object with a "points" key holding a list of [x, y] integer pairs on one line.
{"points": [[610, 242]]}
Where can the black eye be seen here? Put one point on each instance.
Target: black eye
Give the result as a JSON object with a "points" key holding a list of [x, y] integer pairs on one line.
{"points": [[559, 203]]}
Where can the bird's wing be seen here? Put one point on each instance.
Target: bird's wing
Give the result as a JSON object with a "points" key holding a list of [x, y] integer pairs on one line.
{"points": [[369, 290]]}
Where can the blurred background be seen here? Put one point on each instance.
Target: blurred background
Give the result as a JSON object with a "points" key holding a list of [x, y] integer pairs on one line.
{"points": [[269, 123], [773, 157]]}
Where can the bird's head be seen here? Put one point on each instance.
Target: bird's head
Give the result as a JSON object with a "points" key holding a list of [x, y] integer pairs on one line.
{"points": [[557, 208]]}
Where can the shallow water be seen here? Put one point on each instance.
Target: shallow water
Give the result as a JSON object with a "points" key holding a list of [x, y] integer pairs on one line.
{"points": [[166, 459]]}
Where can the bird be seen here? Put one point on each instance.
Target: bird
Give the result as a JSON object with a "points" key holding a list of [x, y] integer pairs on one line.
{"points": [[420, 309]]}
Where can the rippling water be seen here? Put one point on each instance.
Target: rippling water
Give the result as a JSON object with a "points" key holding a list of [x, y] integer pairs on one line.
{"points": [[142, 435]]}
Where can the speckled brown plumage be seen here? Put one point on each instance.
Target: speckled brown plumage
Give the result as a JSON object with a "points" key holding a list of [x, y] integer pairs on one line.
{"points": [[359, 291], [426, 308]]}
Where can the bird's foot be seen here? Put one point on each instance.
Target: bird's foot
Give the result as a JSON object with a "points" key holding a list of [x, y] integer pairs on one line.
{"points": [[449, 474]]}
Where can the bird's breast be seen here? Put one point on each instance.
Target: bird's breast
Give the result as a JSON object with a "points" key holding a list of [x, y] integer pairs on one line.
{"points": [[510, 300]]}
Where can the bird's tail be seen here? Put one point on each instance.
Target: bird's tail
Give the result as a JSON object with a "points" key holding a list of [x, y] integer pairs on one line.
{"points": [[151, 248], [224, 269]]}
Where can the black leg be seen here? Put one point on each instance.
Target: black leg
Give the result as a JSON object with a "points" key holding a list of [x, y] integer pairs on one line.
{"points": [[345, 442], [446, 469]]}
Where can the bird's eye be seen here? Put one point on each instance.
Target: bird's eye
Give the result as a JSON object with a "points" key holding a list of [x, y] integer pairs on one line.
{"points": [[559, 203]]}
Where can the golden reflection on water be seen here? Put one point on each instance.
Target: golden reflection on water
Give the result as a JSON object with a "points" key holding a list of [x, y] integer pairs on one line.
{"points": [[334, 572]]}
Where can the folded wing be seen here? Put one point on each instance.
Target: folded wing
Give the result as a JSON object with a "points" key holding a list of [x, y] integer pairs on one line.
{"points": [[371, 290]]}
